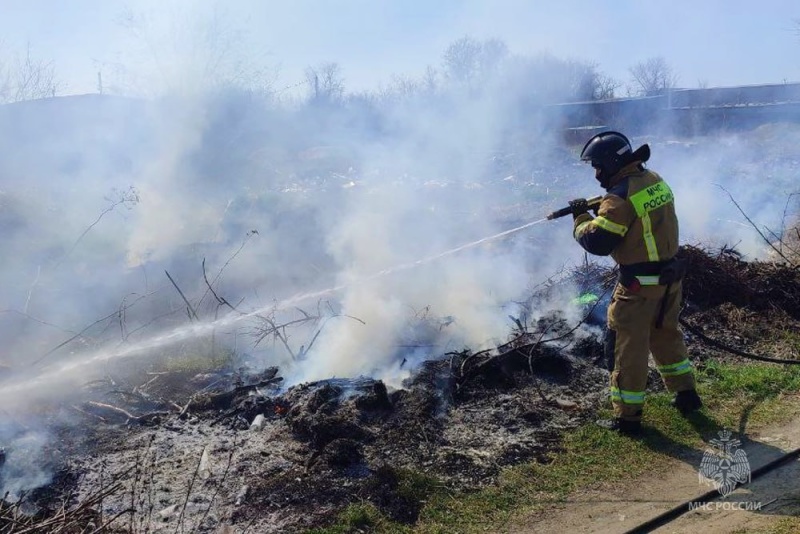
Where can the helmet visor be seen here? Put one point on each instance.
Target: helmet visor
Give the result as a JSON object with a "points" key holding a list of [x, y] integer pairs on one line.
{"points": [[594, 163]]}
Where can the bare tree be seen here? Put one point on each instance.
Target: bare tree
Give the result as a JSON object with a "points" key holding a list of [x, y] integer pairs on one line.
{"points": [[547, 79], [27, 78], [471, 62], [405, 87], [408, 88], [5, 82], [199, 50], [325, 83], [652, 77], [605, 87], [430, 81]]}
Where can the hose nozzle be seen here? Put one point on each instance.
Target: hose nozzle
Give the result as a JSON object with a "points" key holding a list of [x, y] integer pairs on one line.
{"points": [[593, 203]]}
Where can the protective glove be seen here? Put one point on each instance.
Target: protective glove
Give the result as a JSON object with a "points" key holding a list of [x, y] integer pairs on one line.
{"points": [[579, 207]]}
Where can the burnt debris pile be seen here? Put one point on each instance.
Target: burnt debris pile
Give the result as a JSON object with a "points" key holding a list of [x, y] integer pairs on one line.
{"points": [[733, 305], [721, 277], [283, 459]]}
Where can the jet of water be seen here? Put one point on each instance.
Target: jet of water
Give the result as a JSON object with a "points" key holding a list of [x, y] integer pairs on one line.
{"points": [[58, 373]]}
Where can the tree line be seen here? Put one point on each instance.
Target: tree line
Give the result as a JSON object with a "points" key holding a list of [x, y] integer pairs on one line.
{"points": [[474, 65], [468, 65], [26, 77]]}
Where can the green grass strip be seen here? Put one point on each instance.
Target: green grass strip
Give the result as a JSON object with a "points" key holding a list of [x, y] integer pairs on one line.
{"points": [[736, 396]]}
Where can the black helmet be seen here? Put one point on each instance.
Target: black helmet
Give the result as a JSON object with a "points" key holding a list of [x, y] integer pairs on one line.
{"points": [[608, 152]]}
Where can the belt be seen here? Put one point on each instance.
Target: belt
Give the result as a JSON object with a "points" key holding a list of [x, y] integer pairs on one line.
{"points": [[643, 274], [654, 273]]}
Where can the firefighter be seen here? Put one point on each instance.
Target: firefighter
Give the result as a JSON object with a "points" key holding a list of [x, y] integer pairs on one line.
{"points": [[636, 225]]}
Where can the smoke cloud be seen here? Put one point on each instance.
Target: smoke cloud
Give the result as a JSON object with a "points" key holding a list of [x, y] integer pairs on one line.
{"points": [[219, 179]]}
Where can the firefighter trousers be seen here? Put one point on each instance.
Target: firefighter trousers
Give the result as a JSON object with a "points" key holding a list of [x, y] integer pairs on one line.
{"points": [[632, 335]]}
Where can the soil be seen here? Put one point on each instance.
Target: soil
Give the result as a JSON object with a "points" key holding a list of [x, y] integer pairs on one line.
{"points": [[618, 508], [235, 449]]}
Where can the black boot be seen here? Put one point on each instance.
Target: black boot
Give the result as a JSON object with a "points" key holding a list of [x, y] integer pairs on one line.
{"points": [[623, 426], [687, 401]]}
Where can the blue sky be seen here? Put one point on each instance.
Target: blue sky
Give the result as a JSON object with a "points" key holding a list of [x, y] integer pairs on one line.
{"points": [[710, 41]]}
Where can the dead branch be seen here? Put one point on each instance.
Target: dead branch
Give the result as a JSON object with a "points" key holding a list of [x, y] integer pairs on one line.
{"points": [[153, 320], [104, 526], [140, 388], [107, 412], [301, 310], [785, 214], [133, 394], [220, 301], [121, 315], [301, 354], [535, 382], [58, 522], [80, 334], [135, 479], [781, 242], [485, 352], [279, 332], [767, 241], [189, 306], [304, 349], [249, 234], [146, 399], [130, 197], [185, 409], [37, 320], [108, 409], [530, 359]]}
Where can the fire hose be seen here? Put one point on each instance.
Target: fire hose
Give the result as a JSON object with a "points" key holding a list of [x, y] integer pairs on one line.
{"points": [[674, 513], [722, 346]]}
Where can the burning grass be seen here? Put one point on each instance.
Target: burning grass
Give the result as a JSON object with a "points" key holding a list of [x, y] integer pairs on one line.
{"points": [[180, 449]]}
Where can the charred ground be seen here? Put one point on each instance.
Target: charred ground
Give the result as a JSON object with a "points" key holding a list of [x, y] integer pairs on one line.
{"points": [[170, 450]]}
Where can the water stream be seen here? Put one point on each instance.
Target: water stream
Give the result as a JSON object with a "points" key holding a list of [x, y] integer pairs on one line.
{"points": [[57, 373]]}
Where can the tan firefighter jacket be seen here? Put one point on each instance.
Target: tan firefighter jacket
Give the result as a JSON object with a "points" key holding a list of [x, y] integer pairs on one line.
{"points": [[636, 225]]}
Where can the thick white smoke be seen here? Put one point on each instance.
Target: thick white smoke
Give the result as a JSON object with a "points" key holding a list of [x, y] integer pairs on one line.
{"points": [[218, 182]]}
